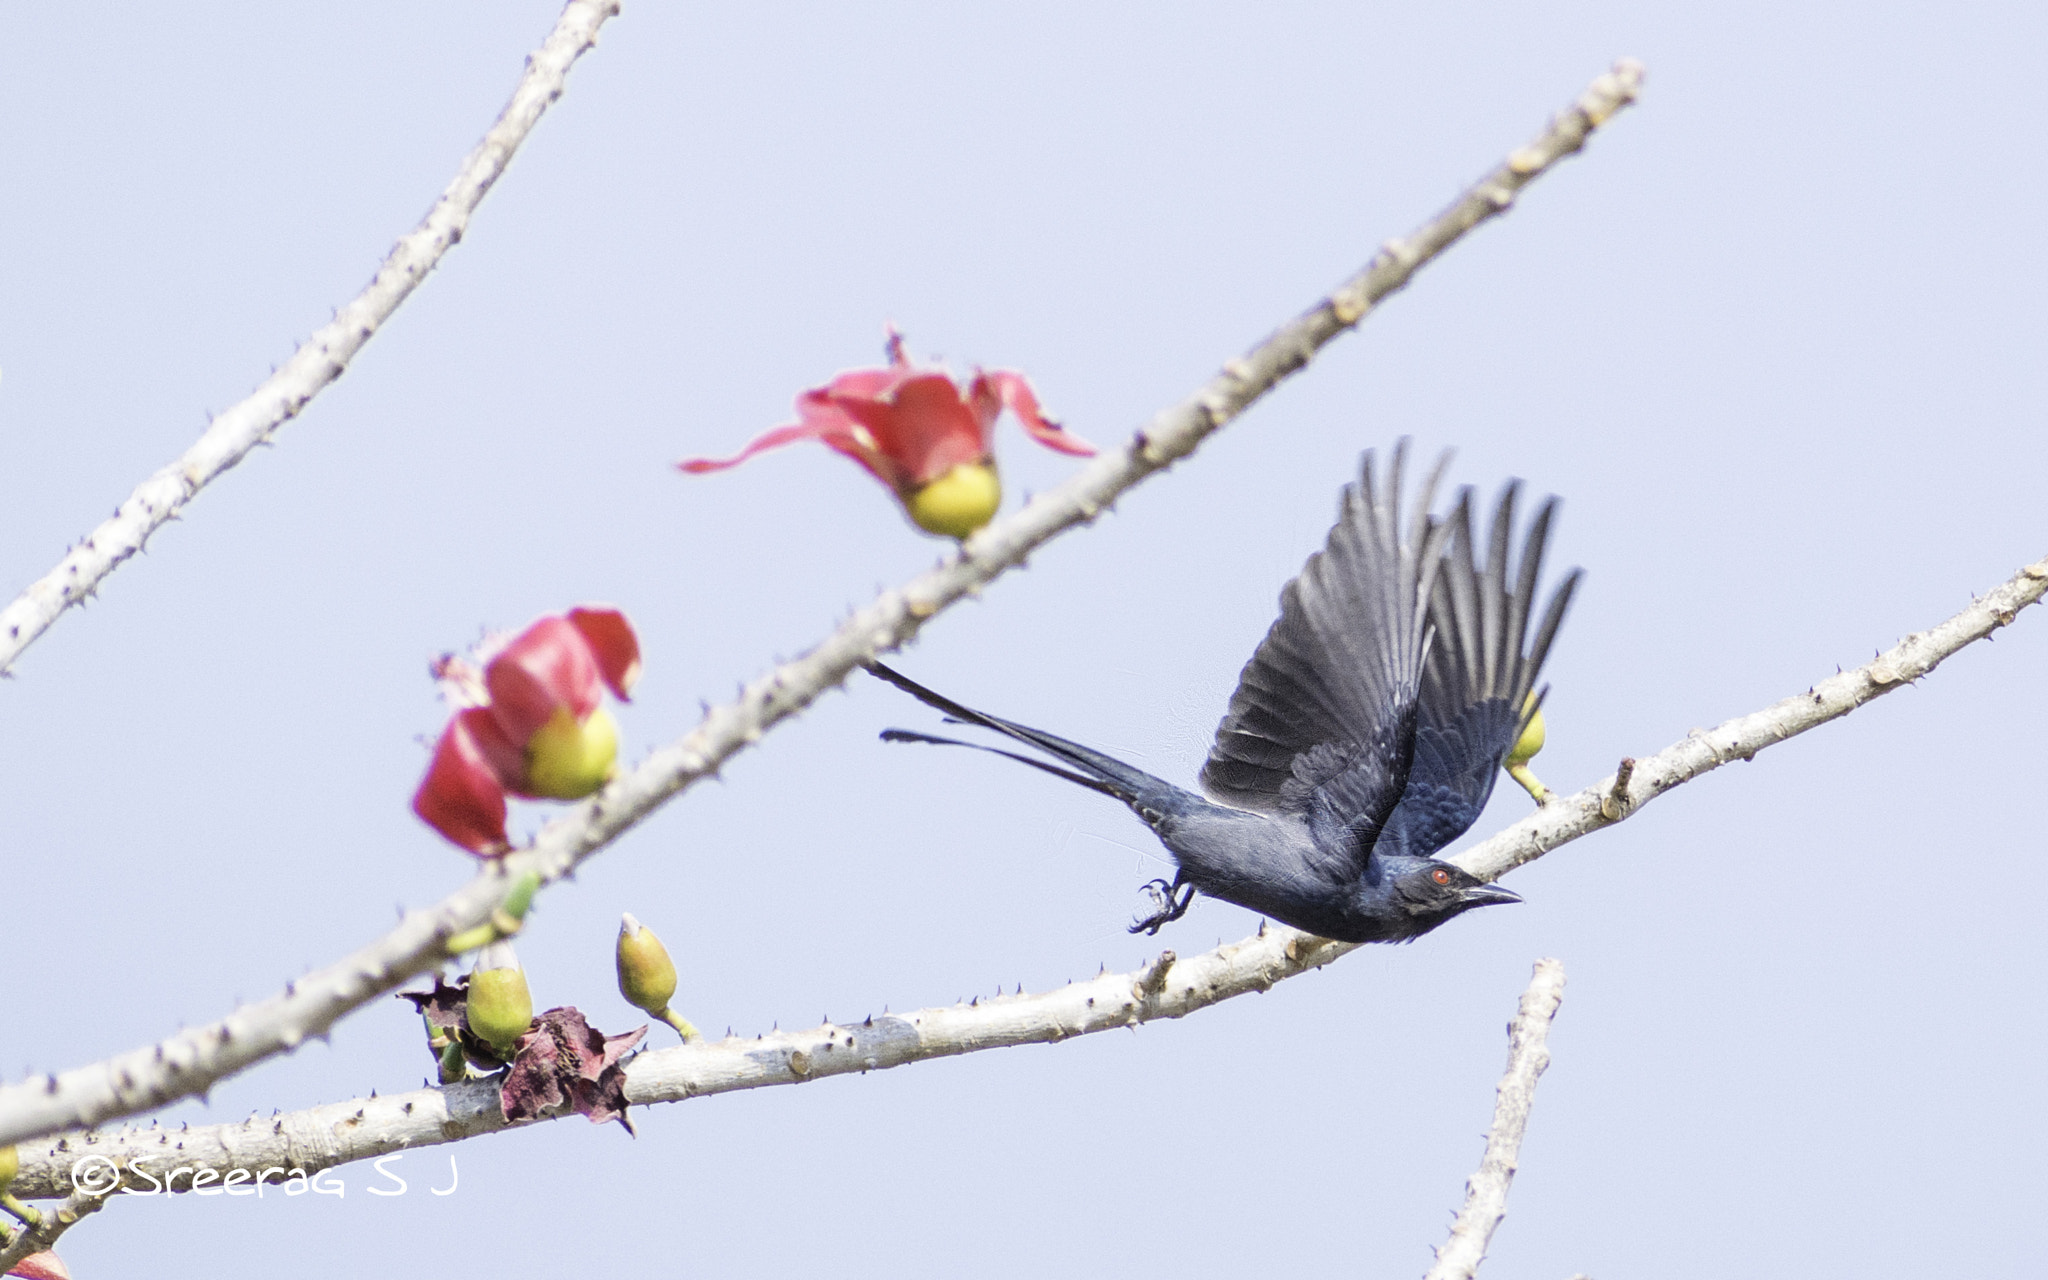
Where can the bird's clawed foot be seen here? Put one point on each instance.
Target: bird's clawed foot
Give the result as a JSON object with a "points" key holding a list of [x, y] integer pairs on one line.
{"points": [[1169, 904]]}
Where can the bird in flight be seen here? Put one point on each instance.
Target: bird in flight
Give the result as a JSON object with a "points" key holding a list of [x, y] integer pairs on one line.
{"points": [[1365, 733]]}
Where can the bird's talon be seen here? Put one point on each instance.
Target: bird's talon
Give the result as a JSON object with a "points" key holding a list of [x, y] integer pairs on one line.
{"points": [[1168, 905]]}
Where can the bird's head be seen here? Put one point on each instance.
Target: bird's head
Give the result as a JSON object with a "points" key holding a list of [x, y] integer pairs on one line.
{"points": [[1428, 892]]}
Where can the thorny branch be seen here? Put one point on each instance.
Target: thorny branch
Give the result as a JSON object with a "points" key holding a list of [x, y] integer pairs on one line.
{"points": [[1486, 1193], [191, 1061], [319, 361], [1621, 794], [1169, 987], [43, 1235]]}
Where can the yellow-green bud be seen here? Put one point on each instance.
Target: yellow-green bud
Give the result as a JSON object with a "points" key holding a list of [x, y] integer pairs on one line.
{"points": [[10, 1165], [499, 1007], [1531, 741], [957, 503], [647, 977], [567, 760]]}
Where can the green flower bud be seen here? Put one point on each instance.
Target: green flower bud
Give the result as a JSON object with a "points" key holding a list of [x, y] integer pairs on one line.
{"points": [[647, 977], [567, 759], [499, 1007], [958, 502], [1531, 741], [10, 1165]]}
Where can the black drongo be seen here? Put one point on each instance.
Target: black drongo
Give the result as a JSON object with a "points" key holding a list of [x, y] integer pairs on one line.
{"points": [[1365, 733]]}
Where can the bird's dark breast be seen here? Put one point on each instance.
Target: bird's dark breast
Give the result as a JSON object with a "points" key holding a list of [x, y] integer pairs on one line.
{"points": [[1398, 926]]}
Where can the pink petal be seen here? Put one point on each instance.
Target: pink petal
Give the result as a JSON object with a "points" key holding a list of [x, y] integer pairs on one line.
{"points": [[771, 440], [925, 428], [41, 1266], [1000, 386], [823, 421], [613, 644], [462, 797], [907, 426], [547, 668], [841, 431], [866, 384]]}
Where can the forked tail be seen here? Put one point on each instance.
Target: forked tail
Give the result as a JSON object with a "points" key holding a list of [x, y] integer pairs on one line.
{"points": [[1090, 768]]}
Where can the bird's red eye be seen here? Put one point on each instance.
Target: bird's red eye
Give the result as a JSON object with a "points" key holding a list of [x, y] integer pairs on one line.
{"points": [[1440, 875]]}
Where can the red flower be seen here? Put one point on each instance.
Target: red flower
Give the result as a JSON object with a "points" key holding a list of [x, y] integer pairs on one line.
{"points": [[918, 432], [41, 1266], [531, 724]]}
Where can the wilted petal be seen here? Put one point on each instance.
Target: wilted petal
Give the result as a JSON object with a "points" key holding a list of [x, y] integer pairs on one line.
{"points": [[547, 668], [442, 1007], [462, 796], [613, 644], [566, 1063], [1001, 387]]}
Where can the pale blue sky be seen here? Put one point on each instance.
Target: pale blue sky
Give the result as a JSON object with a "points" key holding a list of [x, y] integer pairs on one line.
{"points": [[1776, 339]]}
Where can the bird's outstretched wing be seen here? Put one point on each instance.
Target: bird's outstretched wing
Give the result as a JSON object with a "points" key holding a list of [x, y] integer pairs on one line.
{"points": [[1481, 667], [1323, 716]]}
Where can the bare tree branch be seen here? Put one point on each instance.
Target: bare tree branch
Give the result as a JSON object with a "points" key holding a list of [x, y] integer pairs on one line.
{"points": [[1639, 781], [42, 1236], [1486, 1193], [363, 1128], [1169, 987], [319, 361], [191, 1061]]}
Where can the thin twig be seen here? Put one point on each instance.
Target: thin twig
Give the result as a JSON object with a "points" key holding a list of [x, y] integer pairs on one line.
{"points": [[1486, 1193], [362, 1128], [1614, 805], [319, 361], [191, 1061]]}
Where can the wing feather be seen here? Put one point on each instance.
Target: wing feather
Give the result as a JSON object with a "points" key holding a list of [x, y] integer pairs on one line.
{"points": [[1475, 691], [1323, 720]]}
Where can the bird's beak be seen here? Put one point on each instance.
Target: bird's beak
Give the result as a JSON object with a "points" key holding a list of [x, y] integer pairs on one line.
{"points": [[1487, 895]]}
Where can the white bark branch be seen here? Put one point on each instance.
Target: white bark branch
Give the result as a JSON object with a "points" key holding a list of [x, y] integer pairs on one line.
{"points": [[319, 361], [191, 1061], [364, 1128], [338, 1133], [1639, 781], [1486, 1194], [33, 1240]]}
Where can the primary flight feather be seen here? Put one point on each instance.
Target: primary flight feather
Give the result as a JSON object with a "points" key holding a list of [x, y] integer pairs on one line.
{"points": [[1366, 730]]}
